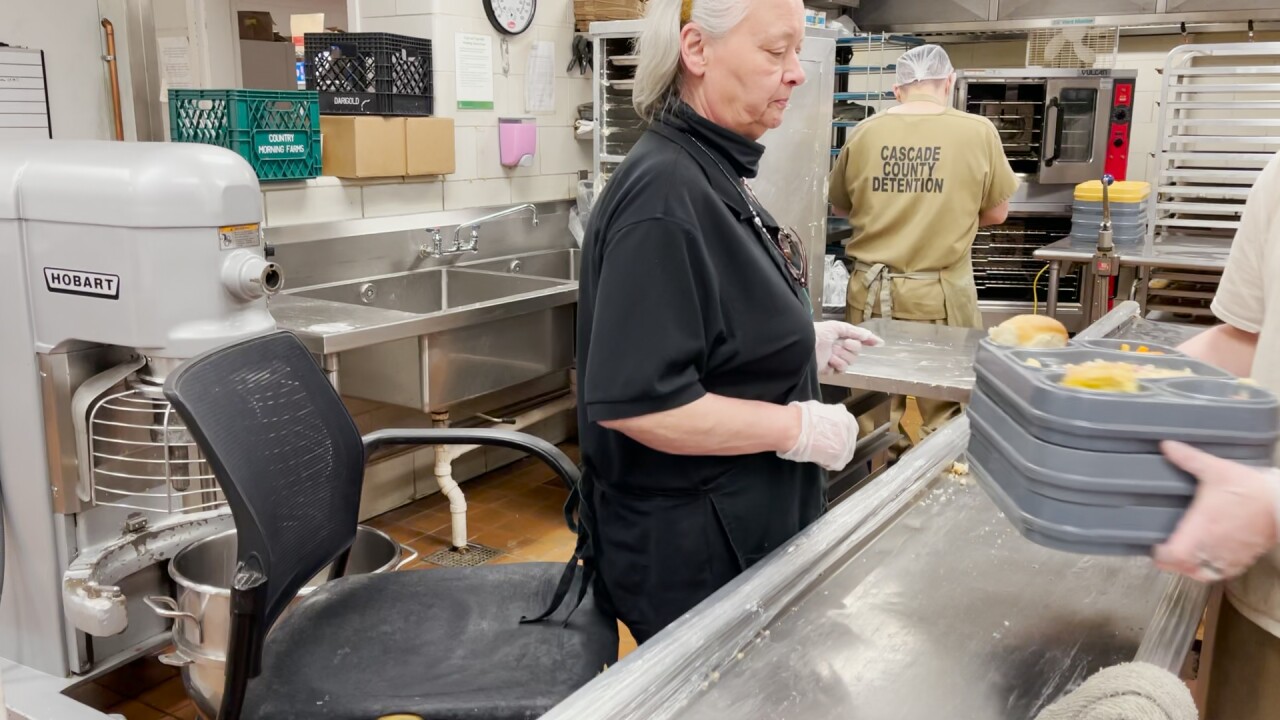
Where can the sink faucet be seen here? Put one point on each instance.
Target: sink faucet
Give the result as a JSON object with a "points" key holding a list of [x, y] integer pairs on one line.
{"points": [[472, 244]]}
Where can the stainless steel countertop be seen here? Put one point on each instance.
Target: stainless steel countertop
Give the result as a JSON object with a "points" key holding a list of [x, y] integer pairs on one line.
{"points": [[1180, 252], [917, 359], [936, 362], [948, 613], [913, 599]]}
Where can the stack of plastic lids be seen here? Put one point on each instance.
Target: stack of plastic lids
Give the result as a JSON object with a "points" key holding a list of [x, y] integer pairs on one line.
{"points": [[1129, 202], [1081, 470]]}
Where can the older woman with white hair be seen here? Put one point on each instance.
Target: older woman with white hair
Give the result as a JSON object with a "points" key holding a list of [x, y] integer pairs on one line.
{"points": [[704, 440]]}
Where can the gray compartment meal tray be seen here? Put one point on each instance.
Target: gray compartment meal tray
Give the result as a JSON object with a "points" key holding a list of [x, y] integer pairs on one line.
{"points": [[1079, 476], [1210, 410], [1057, 524]]}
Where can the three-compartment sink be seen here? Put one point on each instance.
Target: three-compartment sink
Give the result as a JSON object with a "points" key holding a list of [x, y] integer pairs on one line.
{"points": [[433, 338]]}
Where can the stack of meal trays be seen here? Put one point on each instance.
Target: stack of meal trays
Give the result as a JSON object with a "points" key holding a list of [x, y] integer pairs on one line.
{"points": [[1129, 202], [1081, 470]]}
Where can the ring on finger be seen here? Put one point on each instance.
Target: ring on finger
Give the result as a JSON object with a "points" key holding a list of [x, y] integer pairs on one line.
{"points": [[1210, 569]]}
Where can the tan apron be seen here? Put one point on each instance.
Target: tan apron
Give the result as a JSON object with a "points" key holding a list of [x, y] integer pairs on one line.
{"points": [[943, 297]]}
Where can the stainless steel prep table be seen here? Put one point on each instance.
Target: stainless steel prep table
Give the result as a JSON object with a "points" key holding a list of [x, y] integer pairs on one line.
{"points": [[936, 361], [914, 599], [1183, 252], [917, 359]]}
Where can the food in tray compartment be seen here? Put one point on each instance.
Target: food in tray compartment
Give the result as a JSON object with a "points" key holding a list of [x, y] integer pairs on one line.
{"points": [[1032, 362], [1030, 331], [1118, 377], [1102, 376], [1141, 349]]}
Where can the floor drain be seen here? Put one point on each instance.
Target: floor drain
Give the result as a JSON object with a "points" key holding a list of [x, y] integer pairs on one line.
{"points": [[475, 555]]}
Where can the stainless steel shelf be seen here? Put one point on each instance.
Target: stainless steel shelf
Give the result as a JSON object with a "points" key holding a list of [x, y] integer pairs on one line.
{"points": [[864, 96], [868, 69], [902, 41]]}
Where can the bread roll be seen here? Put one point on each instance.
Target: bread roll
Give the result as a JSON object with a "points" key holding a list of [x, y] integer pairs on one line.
{"points": [[1030, 331]]}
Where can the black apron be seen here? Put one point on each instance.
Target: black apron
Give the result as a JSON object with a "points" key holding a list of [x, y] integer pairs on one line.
{"points": [[672, 543]]}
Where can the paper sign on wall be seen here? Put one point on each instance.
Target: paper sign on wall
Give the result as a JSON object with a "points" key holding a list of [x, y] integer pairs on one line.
{"points": [[175, 65], [24, 114], [474, 78], [540, 88]]}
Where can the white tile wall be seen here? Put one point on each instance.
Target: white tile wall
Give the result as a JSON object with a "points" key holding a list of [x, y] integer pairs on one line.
{"points": [[403, 198], [480, 179], [539, 188], [461, 194], [375, 9], [313, 203], [561, 152], [464, 151]]}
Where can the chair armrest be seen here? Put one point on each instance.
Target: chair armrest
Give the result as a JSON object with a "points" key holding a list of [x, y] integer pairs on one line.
{"points": [[535, 446]]}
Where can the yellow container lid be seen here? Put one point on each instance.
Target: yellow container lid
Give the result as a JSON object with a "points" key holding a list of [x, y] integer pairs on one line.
{"points": [[1124, 191]]}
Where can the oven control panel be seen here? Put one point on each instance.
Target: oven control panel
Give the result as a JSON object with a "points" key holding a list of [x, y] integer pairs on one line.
{"points": [[1117, 164]]}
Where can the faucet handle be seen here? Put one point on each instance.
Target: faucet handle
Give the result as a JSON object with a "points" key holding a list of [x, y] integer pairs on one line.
{"points": [[434, 248]]}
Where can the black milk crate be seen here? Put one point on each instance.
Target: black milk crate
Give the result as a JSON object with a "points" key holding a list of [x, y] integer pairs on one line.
{"points": [[370, 73]]}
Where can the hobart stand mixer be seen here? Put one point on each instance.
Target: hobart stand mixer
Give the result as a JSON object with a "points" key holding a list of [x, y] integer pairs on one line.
{"points": [[117, 262]]}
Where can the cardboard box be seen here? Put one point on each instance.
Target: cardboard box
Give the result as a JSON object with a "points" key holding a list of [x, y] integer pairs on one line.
{"points": [[268, 65], [255, 25], [363, 146], [429, 146]]}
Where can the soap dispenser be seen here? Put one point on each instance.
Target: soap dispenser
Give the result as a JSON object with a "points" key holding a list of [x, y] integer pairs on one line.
{"points": [[517, 141]]}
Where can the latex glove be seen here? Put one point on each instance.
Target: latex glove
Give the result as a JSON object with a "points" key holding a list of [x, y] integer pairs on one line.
{"points": [[1233, 520], [839, 344], [828, 436]]}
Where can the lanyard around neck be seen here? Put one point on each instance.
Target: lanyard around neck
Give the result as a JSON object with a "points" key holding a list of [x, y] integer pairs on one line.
{"points": [[771, 245]]}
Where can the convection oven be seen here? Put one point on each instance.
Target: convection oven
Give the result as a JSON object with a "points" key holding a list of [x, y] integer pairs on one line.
{"points": [[1059, 128]]}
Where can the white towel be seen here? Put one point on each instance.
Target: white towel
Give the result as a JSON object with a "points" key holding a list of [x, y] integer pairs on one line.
{"points": [[1130, 691]]}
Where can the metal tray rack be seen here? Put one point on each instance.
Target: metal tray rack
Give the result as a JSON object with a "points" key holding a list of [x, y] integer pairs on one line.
{"points": [[617, 126], [866, 64], [1219, 125]]}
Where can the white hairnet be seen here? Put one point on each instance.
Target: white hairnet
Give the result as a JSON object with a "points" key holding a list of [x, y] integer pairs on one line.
{"points": [[926, 62]]}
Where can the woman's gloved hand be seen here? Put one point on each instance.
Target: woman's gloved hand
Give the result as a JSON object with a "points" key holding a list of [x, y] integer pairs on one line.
{"points": [[828, 436], [1233, 520], [839, 344]]}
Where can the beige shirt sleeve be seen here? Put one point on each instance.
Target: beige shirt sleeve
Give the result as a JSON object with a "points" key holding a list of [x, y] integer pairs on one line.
{"points": [[1001, 181], [1240, 301], [838, 183]]}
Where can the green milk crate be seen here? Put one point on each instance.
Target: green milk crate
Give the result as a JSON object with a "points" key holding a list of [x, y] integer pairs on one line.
{"points": [[278, 132]]}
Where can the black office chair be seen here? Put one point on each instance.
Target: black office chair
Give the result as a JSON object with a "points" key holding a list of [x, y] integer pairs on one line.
{"points": [[439, 644]]}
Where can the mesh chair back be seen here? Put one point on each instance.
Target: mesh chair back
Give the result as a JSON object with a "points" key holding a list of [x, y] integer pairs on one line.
{"points": [[286, 452]]}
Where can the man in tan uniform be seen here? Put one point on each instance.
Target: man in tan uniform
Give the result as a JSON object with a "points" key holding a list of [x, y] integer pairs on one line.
{"points": [[916, 182], [1232, 531]]}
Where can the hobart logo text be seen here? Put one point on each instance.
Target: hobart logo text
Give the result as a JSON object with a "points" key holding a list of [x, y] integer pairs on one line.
{"points": [[79, 282]]}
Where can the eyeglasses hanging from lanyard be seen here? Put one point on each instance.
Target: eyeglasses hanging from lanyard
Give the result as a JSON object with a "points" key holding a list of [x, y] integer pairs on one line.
{"points": [[787, 241]]}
